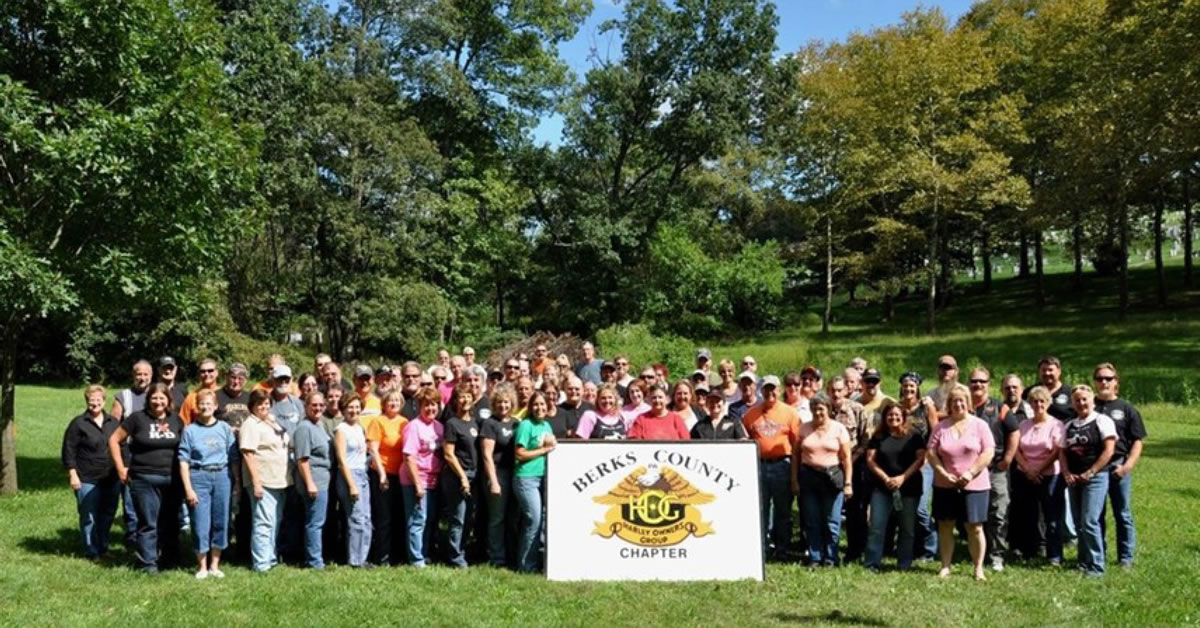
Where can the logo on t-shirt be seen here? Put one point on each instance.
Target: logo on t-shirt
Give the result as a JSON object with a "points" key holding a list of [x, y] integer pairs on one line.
{"points": [[653, 507], [474, 433], [1117, 415], [485, 413], [161, 430], [506, 432], [1061, 400], [767, 428]]}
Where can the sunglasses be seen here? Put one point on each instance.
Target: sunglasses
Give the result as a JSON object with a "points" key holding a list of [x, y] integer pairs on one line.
{"points": [[208, 370], [1101, 378], [979, 381], [946, 367], [511, 366], [426, 383], [649, 377]]}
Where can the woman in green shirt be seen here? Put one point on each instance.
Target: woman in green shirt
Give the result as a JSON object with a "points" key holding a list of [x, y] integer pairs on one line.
{"points": [[534, 438]]}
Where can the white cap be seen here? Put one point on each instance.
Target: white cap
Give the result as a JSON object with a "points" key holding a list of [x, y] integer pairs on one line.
{"points": [[282, 370]]}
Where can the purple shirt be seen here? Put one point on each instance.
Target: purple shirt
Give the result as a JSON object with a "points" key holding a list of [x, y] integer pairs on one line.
{"points": [[423, 441]]}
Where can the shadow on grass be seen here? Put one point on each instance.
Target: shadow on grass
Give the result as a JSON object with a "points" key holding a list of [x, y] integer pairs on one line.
{"points": [[66, 542], [40, 474], [832, 617], [1187, 449]]}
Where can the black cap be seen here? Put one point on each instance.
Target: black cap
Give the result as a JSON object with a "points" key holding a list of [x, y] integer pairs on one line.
{"points": [[383, 370], [166, 361], [872, 375]]}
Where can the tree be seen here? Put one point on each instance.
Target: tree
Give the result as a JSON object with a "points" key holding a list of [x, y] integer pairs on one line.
{"points": [[120, 174]]}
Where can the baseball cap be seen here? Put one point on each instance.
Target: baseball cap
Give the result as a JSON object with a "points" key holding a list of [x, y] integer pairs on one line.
{"points": [[363, 370], [698, 373], [608, 364], [282, 370], [948, 360], [747, 375], [166, 361], [704, 353], [770, 380], [811, 370], [913, 375], [383, 370], [872, 375], [702, 387], [237, 368]]}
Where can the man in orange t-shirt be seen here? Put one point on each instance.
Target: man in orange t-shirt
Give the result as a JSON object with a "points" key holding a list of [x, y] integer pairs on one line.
{"points": [[208, 381], [775, 427]]}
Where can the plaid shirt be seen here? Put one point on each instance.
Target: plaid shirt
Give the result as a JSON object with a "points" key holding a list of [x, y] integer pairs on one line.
{"points": [[851, 415]]}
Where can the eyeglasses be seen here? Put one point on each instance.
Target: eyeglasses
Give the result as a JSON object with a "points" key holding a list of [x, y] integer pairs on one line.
{"points": [[208, 370], [649, 377], [512, 366], [946, 367], [1101, 378], [438, 378], [979, 381], [283, 379]]}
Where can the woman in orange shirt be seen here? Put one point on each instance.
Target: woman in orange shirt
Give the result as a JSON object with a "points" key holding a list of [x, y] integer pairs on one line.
{"points": [[385, 439]]}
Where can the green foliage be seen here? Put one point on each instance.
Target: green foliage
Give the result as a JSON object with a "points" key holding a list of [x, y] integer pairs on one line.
{"points": [[406, 320], [645, 346]]}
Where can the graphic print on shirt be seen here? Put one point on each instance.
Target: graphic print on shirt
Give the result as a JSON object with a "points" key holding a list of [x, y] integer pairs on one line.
{"points": [[653, 507], [767, 429], [160, 430]]}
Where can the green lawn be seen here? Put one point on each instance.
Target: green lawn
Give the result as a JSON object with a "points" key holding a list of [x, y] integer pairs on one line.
{"points": [[44, 581]]}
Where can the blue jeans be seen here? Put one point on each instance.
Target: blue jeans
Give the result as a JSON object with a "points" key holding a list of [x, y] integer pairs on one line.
{"points": [[268, 511], [315, 509], [459, 513], [358, 517], [1068, 517], [129, 514], [822, 516], [1031, 500], [1120, 493], [156, 499], [97, 504], [775, 486], [926, 531], [210, 515], [497, 518], [1087, 504], [422, 521], [530, 493], [882, 510]]}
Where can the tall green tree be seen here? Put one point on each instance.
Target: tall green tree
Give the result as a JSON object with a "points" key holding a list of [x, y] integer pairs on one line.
{"points": [[120, 175]]}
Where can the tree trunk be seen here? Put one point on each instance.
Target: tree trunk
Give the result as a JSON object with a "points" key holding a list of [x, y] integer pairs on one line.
{"points": [[1160, 273], [1123, 216], [828, 273], [1187, 232], [500, 304], [986, 253], [1023, 259], [1038, 261], [889, 306], [1077, 247], [8, 387], [931, 306], [944, 268]]}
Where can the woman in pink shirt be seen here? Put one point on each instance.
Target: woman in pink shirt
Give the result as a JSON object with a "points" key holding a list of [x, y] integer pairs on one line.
{"points": [[960, 449], [659, 423], [635, 401], [419, 474], [1037, 482], [822, 476]]}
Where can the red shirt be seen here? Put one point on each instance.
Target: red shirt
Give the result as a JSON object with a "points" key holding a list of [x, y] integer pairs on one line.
{"points": [[667, 427]]}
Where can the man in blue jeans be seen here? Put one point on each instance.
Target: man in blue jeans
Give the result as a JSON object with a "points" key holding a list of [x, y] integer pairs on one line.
{"points": [[774, 426], [1131, 432]]}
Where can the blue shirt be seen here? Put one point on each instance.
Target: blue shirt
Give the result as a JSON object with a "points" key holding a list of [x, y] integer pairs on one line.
{"points": [[287, 412], [310, 441], [590, 371], [207, 445]]}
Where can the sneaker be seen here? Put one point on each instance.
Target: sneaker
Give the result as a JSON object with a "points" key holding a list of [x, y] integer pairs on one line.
{"points": [[1056, 562], [1125, 564], [202, 574], [997, 564], [216, 573]]}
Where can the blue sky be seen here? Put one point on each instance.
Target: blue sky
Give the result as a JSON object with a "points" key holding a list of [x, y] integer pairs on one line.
{"points": [[800, 21]]}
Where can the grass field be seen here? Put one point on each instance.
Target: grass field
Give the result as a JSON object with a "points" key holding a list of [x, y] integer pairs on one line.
{"points": [[44, 580]]}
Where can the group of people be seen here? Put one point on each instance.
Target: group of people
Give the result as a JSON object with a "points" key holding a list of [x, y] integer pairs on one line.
{"points": [[410, 464]]}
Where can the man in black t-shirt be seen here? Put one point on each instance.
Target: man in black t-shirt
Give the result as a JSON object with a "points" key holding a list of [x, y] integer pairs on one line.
{"points": [[1131, 433], [168, 373], [1006, 435], [233, 401], [1050, 376], [410, 383], [566, 420]]}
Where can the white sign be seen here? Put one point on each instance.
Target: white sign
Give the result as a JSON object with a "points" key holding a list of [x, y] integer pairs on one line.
{"points": [[653, 510]]}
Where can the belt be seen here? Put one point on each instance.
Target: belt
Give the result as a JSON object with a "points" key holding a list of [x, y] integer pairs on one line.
{"points": [[774, 460], [213, 467]]}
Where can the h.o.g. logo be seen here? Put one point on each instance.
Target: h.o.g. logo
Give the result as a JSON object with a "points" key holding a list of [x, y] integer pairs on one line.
{"points": [[653, 507]]}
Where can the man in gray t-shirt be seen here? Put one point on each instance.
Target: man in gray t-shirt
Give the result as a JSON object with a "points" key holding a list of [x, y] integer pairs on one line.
{"points": [[310, 446]]}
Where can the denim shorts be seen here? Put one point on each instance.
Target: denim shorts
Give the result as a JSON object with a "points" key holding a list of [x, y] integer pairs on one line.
{"points": [[952, 503]]}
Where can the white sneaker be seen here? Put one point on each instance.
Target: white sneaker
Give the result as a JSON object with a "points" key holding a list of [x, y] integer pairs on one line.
{"points": [[216, 573], [997, 564], [200, 575]]}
